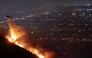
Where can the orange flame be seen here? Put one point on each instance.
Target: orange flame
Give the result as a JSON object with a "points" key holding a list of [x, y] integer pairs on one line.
{"points": [[16, 33]]}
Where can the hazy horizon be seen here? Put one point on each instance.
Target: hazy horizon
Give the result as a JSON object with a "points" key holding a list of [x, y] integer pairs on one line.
{"points": [[64, 2]]}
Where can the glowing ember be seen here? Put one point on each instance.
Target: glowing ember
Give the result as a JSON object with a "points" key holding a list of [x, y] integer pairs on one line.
{"points": [[15, 33]]}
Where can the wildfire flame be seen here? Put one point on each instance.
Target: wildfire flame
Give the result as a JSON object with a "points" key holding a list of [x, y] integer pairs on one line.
{"points": [[15, 33]]}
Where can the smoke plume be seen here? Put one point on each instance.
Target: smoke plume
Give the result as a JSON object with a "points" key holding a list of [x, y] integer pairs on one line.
{"points": [[18, 36]]}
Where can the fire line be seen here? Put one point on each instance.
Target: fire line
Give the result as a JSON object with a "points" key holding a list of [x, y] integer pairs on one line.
{"points": [[15, 33]]}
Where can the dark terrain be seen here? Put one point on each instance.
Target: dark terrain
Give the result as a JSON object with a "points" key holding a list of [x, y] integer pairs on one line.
{"points": [[10, 50]]}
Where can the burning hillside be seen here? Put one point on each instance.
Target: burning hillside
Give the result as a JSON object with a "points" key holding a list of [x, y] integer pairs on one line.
{"points": [[17, 36]]}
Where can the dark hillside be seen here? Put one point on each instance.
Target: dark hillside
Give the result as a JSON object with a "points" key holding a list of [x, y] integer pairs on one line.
{"points": [[10, 50]]}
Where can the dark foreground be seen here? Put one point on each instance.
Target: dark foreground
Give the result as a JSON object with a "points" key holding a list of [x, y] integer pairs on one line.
{"points": [[10, 50]]}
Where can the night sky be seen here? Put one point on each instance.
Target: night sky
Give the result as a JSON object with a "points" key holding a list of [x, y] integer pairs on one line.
{"points": [[10, 2]]}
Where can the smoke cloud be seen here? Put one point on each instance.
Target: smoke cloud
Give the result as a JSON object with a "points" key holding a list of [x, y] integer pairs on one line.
{"points": [[18, 36]]}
